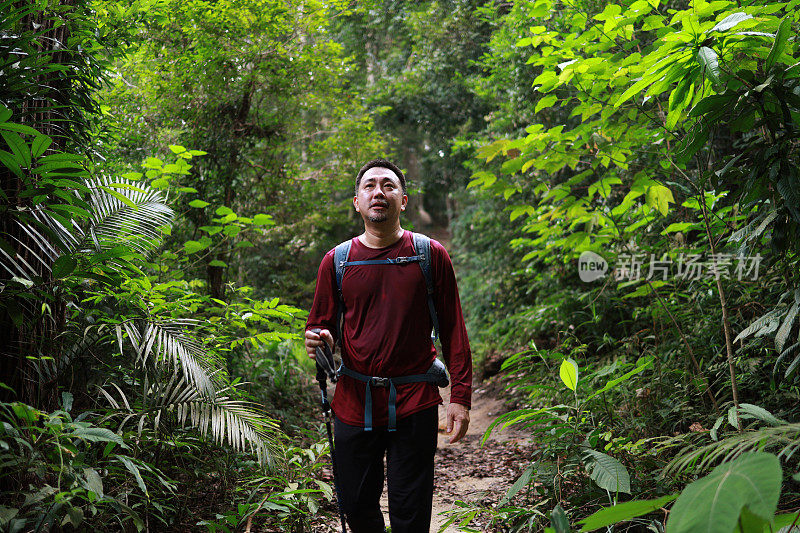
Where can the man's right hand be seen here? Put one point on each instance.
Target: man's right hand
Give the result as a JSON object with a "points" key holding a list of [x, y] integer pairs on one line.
{"points": [[313, 340]]}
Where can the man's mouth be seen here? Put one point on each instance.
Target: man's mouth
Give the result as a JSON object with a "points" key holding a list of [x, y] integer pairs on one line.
{"points": [[379, 205]]}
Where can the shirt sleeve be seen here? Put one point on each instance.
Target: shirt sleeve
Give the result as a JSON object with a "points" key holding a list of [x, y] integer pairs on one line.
{"points": [[452, 331], [324, 310]]}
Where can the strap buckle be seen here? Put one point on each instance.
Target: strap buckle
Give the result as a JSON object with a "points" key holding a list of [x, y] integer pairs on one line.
{"points": [[402, 260], [376, 381]]}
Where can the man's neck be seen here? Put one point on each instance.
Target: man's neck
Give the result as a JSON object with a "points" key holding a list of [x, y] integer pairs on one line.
{"points": [[375, 236]]}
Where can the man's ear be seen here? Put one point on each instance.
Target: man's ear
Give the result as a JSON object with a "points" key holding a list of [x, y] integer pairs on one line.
{"points": [[355, 204], [403, 204]]}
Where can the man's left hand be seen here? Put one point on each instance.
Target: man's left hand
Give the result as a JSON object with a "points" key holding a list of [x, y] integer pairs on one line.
{"points": [[457, 421]]}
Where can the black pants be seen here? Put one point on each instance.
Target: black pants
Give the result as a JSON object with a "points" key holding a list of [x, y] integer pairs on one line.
{"points": [[409, 455]]}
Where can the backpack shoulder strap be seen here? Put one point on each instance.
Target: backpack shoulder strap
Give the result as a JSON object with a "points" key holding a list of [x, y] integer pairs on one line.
{"points": [[422, 247], [340, 255]]}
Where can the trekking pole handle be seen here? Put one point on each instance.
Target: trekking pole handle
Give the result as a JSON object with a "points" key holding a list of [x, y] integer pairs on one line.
{"points": [[324, 359]]}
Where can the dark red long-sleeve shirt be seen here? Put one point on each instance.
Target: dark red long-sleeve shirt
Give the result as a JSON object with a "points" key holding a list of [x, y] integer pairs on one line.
{"points": [[387, 328]]}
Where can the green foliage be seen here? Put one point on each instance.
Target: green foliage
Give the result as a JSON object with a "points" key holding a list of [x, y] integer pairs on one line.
{"points": [[568, 372], [607, 472], [261, 86], [69, 471], [167, 300], [623, 512], [715, 502], [737, 496]]}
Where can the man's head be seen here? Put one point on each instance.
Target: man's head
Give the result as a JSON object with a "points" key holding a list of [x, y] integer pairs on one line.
{"points": [[383, 163], [380, 193]]}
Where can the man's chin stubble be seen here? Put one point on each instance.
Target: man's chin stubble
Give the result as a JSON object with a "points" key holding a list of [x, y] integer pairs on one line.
{"points": [[377, 218]]}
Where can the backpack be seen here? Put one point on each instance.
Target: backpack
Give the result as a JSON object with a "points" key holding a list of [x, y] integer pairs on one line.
{"points": [[437, 373], [422, 247]]}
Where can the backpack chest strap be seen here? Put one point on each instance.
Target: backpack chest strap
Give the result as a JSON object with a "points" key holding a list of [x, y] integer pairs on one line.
{"points": [[395, 261]]}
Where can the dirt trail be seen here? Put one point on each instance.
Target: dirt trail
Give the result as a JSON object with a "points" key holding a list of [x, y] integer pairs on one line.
{"points": [[466, 470], [470, 472]]}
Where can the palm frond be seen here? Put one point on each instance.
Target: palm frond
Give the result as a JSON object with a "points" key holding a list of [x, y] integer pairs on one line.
{"points": [[224, 418], [126, 212], [38, 238], [784, 438], [171, 344], [123, 212]]}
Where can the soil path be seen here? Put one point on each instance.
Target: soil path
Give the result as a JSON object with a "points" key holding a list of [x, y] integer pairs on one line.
{"points": [[467, 471]]}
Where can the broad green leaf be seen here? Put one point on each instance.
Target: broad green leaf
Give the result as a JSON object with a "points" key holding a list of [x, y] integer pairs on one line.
{"points": [[19, 128], [263, 220], [64, 266], [780, 41], [19, 148], [231, 230], [191, 247], [760, 413], [608, 473], [74, 517], [521, 482], [784, 520], [569, 373], [223, 210], [660, 197], [217, 263], [731, 21], [26, 412], [211, 230], [153, 163], [133, 469], [176, 149], [198, 203], [93, 434], [545, 102], [733, 418], [40, 144], [558, 520], [93, 481], [623, 512], [709, 63], [679, 226], [715, 102], [713, 504], [5, 113], [10, 162]]}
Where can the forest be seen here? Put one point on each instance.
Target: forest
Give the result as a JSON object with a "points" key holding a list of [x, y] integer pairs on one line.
{"points": [[617, 183]]}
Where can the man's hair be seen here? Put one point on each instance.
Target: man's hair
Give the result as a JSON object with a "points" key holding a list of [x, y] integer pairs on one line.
{"points": [[383, 163]]}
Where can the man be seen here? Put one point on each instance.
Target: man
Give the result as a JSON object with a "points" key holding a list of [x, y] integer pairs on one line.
{"points": [[385, 331]]}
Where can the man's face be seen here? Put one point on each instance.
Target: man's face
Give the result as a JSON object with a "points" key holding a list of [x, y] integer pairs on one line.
{"points": [[380, 196]]}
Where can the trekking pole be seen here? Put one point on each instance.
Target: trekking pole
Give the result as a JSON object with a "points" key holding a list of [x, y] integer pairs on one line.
{"points": [[326, 371]]}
